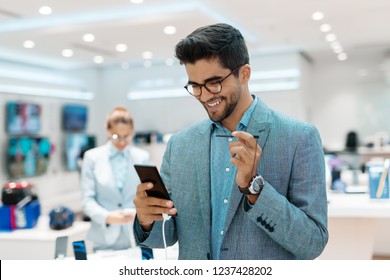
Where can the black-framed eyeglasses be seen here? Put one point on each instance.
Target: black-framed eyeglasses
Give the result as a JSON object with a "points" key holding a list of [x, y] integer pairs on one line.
{"points": [[213, 86]]}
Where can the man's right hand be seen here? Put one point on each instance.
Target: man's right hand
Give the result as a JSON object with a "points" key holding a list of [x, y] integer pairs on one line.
{"points": [[150, 209]]}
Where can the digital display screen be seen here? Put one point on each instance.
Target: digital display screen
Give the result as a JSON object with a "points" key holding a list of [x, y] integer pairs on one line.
{"points": [[74, 117], [23, 118], [75, 145], [27, 156]]}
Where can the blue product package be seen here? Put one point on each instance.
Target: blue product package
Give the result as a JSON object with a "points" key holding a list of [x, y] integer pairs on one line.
{"points": [[375, 172], [12, 217], [32, 212], [5, 218]]}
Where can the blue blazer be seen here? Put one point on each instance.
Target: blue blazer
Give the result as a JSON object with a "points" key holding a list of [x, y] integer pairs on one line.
{"points": [[289, 219], [100, 194]]}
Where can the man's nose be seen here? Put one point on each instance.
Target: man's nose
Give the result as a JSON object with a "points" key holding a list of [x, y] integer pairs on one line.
{"points": [[206, 95]]}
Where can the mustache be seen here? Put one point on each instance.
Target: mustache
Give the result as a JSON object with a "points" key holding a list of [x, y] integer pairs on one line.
{"points": [[214, 99]]}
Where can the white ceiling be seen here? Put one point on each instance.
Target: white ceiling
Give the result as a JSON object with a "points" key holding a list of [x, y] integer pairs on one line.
{"points": [[269, 26]]}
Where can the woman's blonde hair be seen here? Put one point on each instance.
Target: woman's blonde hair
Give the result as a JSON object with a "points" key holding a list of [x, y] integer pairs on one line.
{"points": [[119, 115]]}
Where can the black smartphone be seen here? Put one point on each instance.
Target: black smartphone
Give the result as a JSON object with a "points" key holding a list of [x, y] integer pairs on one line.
{"points": [[61, 247], [149, 173], [79, 249]]}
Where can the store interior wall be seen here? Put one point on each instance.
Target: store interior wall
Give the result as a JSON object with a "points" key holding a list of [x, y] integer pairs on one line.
{"points": [[352, 95], [333, 96], [110, 86]]}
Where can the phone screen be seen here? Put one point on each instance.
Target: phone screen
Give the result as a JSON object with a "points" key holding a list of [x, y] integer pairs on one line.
{"points": [[147, 253], [149, 173], [79, 249]]}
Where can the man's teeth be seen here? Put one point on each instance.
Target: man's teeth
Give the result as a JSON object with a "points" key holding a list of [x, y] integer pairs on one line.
{"points": [[214, 103]]}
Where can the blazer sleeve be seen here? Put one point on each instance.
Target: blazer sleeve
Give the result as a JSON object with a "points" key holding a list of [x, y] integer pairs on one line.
{"points": [[298, 221]]}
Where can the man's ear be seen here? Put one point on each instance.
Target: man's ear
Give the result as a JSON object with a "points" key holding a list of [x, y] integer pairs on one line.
{"points": [[245, 73]]}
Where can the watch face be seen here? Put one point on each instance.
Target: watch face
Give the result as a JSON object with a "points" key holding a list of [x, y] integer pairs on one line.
{"points": [[257, 186]]}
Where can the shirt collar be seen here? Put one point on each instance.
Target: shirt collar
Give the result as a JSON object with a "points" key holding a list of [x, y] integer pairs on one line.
{"points": [[248, 113], [113, 152]]}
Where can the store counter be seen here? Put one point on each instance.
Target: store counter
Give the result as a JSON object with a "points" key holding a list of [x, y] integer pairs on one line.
{"points": [[171, 253], [38, 243], [352, 224]]}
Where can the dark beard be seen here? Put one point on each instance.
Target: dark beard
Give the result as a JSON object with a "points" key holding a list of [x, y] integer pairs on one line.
{"points": [[228, 110], [226, 113]]}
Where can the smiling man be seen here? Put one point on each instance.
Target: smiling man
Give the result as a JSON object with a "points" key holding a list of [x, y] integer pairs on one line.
{"points": [[247, 183]]}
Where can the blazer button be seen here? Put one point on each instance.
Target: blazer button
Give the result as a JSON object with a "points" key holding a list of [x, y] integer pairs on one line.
{"points": [[263, 222], [259, 219], [271, 229]]}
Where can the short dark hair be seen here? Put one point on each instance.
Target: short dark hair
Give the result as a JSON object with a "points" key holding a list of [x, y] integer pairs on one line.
{"points": [[218, 41]]}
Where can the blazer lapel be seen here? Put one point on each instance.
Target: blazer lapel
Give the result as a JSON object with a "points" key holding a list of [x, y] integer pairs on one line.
{"points": [[258, 125], [203, 175]]}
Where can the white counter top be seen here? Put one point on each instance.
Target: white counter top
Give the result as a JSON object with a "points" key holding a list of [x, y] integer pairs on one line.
{"points": [[42, 231], [343, 205], [39, 242]]}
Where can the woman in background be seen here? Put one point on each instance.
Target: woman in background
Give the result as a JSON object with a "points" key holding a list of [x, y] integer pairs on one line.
{"points": [[109, 181]]}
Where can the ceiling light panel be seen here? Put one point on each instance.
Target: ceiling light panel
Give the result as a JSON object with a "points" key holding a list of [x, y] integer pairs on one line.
{"points": [[121, 47], [28, 44], [88, 37], [45, 10]]}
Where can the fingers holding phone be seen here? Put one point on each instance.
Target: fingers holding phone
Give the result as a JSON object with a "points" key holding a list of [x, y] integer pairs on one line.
{"points": [[149, 208]]}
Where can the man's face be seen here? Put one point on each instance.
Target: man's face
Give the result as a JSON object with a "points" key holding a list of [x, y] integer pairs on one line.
{"points": [[221, 105]]}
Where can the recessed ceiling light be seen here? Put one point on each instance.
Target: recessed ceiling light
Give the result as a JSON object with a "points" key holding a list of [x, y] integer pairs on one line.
{"points": [[89, 37], [169, 30], [342, 56], [67, 53], [325, 27], [336, 46], [338, 49], [136, 1], [45, 10], [98, 59], [28, 44], [330, 37], [317, 16], [147, 55], [121, 47], [147, 63]]}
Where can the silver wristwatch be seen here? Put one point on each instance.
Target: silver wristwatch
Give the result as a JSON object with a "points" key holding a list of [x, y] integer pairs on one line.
{"points": [[255, 186]]}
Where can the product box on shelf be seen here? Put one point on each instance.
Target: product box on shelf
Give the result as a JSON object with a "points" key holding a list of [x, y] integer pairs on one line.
{"points": [[13, 217], [379, 179]]}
